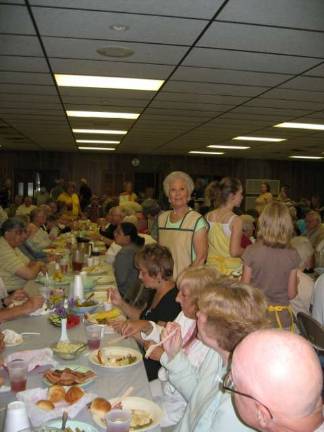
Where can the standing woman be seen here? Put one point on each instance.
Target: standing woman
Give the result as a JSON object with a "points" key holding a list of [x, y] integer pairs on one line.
{"points": [[225, 233], [264, 198], [182, 230], [271, 264], [70, 199]]}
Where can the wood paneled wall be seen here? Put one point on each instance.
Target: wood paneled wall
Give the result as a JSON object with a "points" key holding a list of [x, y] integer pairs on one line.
{"points": [[105, 172]]}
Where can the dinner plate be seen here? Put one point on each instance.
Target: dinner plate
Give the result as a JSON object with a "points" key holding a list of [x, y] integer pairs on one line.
{"points": [[18, 342], [137, 403], [65, 281], [115, 351], [74, 367], [98, 270], [106, 280], [73, 424]]}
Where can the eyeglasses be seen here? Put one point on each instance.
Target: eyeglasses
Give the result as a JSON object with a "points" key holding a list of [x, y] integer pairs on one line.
{"points": [[228, 384]]}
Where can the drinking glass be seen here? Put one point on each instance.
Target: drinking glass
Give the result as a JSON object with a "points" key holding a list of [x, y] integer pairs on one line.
{"points": [[118, 420], [17, 375], [77, 260], [94, 333]]}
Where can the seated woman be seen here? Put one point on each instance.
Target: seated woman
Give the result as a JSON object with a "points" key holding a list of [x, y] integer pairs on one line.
{"points": [[37, 236], [228, 311], [15, 267], [17, 304], [191, 282], [126, 273], [155, 265]]}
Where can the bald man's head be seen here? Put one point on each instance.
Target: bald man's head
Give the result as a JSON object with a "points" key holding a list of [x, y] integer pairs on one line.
{"points": [[281, 370]]}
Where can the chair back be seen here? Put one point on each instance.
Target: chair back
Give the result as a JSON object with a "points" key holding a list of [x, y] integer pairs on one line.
{"points": [[312, 330]]}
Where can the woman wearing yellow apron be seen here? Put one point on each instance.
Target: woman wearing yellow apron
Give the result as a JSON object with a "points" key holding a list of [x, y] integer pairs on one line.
{"points": [[182, 230], [224, 236], [271, 264]]}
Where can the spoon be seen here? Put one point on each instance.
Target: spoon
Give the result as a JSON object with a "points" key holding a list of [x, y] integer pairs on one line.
{"points": [[64, 420]]}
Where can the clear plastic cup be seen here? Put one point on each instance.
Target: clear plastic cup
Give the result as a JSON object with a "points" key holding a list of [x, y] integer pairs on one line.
{"points": [[94, 334], [118, 420], [17, 375]]}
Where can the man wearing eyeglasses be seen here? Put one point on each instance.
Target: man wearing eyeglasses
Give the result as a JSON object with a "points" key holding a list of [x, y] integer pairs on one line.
{"points": [[277, 383]]}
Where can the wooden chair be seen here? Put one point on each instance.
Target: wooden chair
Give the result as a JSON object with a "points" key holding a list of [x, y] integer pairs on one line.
{"points": [[312, 330]]}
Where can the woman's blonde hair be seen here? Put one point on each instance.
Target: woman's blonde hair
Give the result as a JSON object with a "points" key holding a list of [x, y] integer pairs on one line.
{"points": [[233, 311], [304, 249], [178, 175], [275, 226], [196, 279]]}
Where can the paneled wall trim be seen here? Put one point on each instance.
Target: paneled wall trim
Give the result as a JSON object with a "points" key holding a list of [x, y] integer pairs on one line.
{"points": [[106, 172]]}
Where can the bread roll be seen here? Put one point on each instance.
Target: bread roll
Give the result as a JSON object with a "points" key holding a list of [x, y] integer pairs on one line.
{"points": [[73, 394], [56, 393], [45, 405], [100, 407]]}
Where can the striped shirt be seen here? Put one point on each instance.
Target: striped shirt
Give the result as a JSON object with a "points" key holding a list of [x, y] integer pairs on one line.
{"points": [[11, 259]]}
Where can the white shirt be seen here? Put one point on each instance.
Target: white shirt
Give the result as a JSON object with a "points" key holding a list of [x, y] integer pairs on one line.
{"points": [[318, 300]]}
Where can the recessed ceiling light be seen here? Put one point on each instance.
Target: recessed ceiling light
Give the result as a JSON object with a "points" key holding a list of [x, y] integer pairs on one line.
{"points": [[100, 131], [107, 82], [119, 27], [102, 114], [306, 157], [113, 51], [252, 138], [293, 125], [96, 141], [205, 152], [97, 148], [228, 147]]}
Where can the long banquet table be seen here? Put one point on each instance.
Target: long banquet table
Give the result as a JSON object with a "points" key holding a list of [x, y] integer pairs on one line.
{"points": [[109, 383]]}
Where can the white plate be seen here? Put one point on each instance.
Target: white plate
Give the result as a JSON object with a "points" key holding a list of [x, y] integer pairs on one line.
{"points": [[19, 342], [105, 280], [99, 271], [75, 367], [73, 424], [115, 351], [137, 403]]}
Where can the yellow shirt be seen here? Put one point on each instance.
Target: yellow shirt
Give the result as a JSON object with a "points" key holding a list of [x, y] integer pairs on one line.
{"points": [[262, 200], [11, 259], [72, 201]]}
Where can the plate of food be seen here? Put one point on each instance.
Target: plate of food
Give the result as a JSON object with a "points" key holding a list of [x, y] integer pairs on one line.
{"points": [[68, 350], [103, 317], [72, 426], [145, 414], [69, 376], [56, 279], [115, 357], [95, 270], [83, 307]]}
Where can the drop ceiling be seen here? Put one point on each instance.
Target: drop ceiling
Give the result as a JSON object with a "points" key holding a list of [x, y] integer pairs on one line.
{"points": [[231, 67]]}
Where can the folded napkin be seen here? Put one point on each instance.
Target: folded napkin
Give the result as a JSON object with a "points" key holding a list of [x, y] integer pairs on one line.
{"points": [[11, 337], [41, 311], [39, 416], [34, 358]]}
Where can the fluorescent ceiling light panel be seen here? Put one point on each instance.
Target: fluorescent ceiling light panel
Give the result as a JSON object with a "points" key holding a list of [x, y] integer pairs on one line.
{"points": [[293, 125], [97, 141], [97, 148], [100, 131], [306, 157], [102, 114], [228, 147], [107, 82], [251, 138], [206, 152]]}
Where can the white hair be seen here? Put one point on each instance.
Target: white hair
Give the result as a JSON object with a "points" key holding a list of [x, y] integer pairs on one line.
{"points": [[178, 175], [304, 249]]}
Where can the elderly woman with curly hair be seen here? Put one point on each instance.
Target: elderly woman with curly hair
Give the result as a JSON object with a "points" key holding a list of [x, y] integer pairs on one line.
{"points": [[228, 311], [182, 230]]}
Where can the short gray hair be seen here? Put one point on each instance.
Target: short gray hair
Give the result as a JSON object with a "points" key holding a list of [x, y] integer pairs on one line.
{"points": [[12, 223], [303, 247], [178, 175]]}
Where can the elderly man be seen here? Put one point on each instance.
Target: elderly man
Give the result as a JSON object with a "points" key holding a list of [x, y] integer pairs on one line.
{"points": [[277, 382], [314, 229], [117, 215]]}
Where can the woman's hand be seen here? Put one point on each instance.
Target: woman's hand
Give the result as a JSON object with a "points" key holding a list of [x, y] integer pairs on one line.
{"points": [[2, 343], [156, 353], [134, 327], [33, 303], [114, 297], [19, 295], [174, 344]]}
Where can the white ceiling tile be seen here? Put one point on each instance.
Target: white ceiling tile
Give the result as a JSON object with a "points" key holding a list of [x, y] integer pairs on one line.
{"points": [[31, 89], [283, 104], [106, 68], [294, 94], [227, 59], [203, 98], [228, 76], [318, 71], [286, 13], [86, 49], [24, 64], [189, 8], [142, 28], [20, 45], [263, 39], [15, 19], [306, 83]]}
